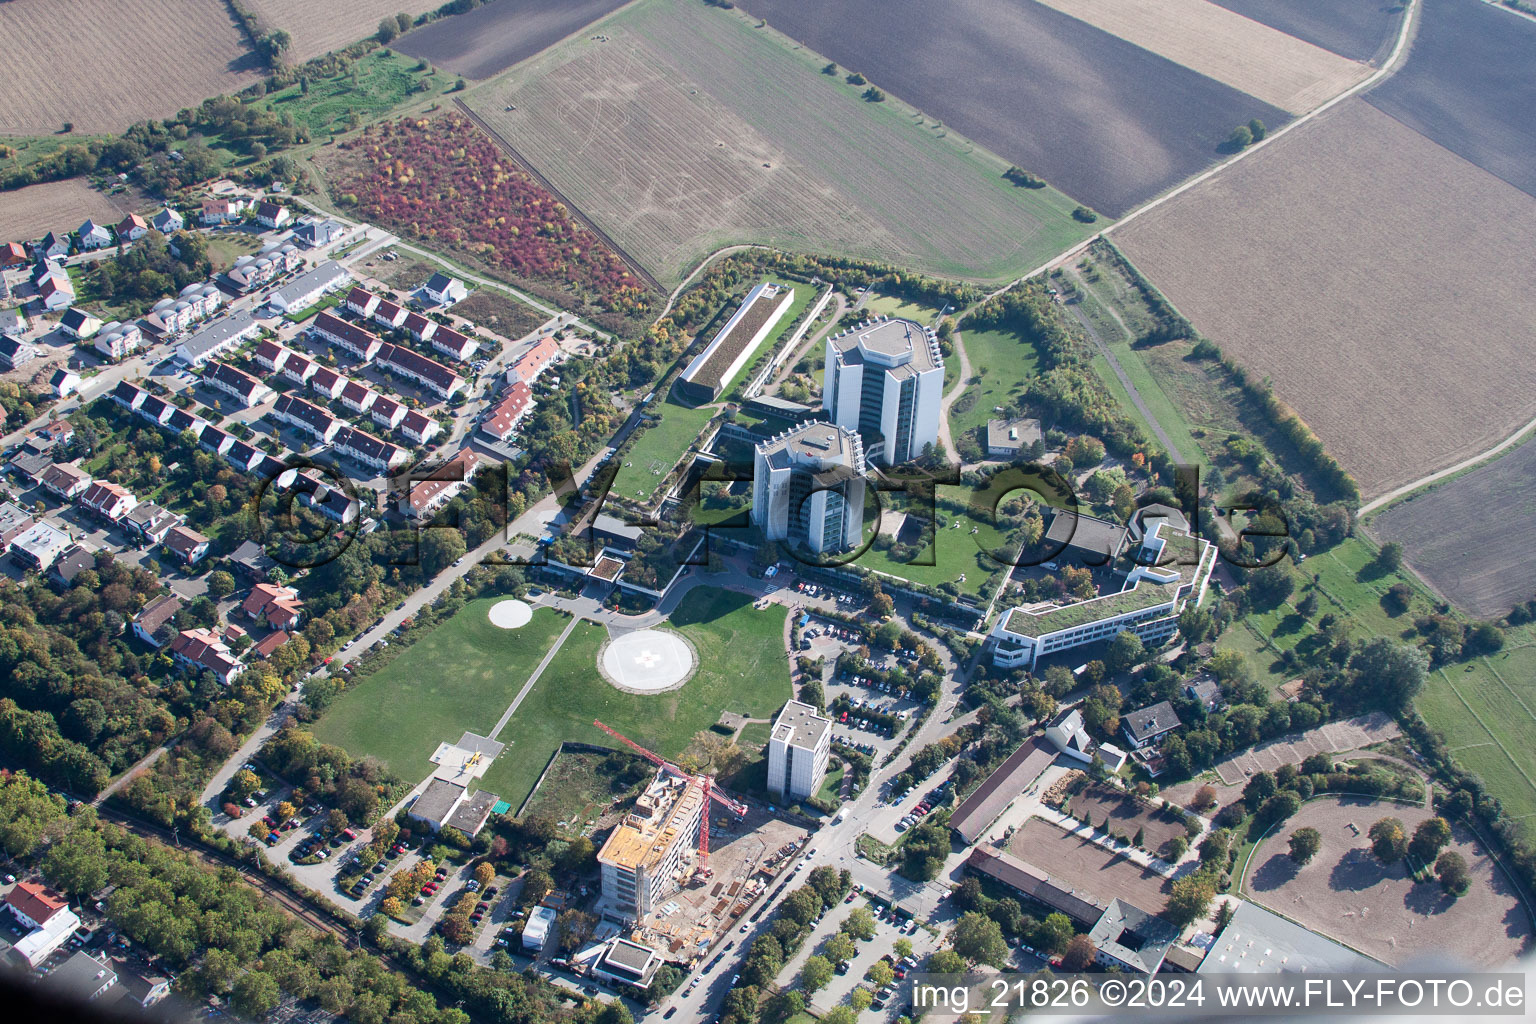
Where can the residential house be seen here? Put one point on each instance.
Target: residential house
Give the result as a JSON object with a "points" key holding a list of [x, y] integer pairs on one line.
{"points": [[274, 605], [12, 321], [55, 290], [83, 978], [453, 344], [132, 228], [238, 384], [64, 382], [187, 545], [155, 409], [222, 211], [217, 338], [299, 368], [316, 234], [309, 287], [155, 623], [423, 497], [357, 397], [66, 480], [252, 560], [444, 290], [418, 427], [532, 362], [39, 546], [117, 341], [369, 450], [418, 326], [15, 353], [72, 561], [429, 373], [306, 418], [387, 412], [54, 432], [362, 302], [168, 221], [196, 650], [388, 314], [127, 396], [250, 272], [361, 344], [1066, 731], [270, 643], [51, 247], [213, 439], [14, 521], [243, 457], [271, 356], [79, 324], [333, 503], [45, 917], [271, 215], [107, 500], [1204, 691], [13, 254], [149, 523], [327, 382], [94, 236], [501, 423], [142, 989], [1145, 726]]}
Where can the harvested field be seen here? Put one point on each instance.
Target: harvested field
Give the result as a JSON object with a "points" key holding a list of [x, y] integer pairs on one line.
{"points": [[492, 38], [318, 28], [74, 60], [30, 213], [1092, 872], [1098, 117], [1468, 86], [1346, 894], [679, 131], [1352, 263], [1473, 539], [1250, 57], [1359, 31]]}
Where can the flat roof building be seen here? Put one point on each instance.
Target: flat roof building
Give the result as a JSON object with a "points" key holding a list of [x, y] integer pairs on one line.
{"points": [[708, 373], [1256, 941], [1006, 439], [885, 379], [808, 487], [447, 804], [1129, 938], [798, 748], [647, 855]]}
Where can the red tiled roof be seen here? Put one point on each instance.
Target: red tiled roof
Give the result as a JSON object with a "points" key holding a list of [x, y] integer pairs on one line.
{"points": [[37, 902]]}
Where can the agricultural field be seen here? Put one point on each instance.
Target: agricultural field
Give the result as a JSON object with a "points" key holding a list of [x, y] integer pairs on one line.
{"points": [[742, 668], [1353, 244], [31, 212], [1468, 86], [402, 712], [658, 449], [1359, 31], [441, 180], [319, 28], [492, 38], [74, 61], [1236, 51], [1473, 538], [1102, 119], [678, 131]]}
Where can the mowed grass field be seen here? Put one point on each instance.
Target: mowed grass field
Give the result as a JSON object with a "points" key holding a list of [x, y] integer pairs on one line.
{"points": [[1486, 709], [679, 131], [318, 28], [61, 206], [1379, 280], [743, 668], [1002, 364], [1101, 118], [104, 64], [956, 550], [460, 676], [1473, 538]]}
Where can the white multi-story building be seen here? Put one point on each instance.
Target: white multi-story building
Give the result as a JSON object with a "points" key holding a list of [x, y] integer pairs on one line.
{"points": [[649, 853], [798, 749], [885, 379], [808, 487], [1172, 569]]}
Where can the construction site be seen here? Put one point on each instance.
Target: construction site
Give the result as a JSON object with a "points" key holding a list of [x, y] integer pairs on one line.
{"points": [[688, 861]]}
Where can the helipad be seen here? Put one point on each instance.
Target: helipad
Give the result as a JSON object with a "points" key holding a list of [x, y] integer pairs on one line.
{"points": [[647, 661], [511, 613]]}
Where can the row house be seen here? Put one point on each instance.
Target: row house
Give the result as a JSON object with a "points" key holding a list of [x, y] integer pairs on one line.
{"points": [[419, 327], [127, 395], [215, 440], [117, 341], [238, 384], [418, 427], [388, 314], [217, 338], [196, 650], [361, 301], [244, 457], [299, 368], [431, 374], [331, 502], [271, 356], [351, 338], [369, 450], [357, 397], [107, 500], [453, 344], [387, 412], [501, 423], [308, 288], [156, 410], [306, 418], [424, 497], [327, 382], [532, 362]]}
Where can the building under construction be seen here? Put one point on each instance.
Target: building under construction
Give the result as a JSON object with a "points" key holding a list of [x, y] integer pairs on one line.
{"points": [[651, 853]]}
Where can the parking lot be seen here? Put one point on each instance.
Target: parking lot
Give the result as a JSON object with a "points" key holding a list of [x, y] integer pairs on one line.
{"points": [[889, 927]]}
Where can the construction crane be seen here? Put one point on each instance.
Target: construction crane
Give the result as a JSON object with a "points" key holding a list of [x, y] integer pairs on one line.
{"points": [[736, 807]]}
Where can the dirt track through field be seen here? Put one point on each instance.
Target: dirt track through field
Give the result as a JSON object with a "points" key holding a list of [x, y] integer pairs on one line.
{"points": [[1254, 58], [104, 64], [1379, 280]]}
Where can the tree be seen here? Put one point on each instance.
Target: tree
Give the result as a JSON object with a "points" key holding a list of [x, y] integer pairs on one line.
{"points": [[255, 995], [881, 974], [1389, 672], [979, 939], [902, 948], [1125, 652], [1204, 799], [1241, 138], [1484, 638], [441, 548], [244, 784], [392, 906], [1054, 932], [860, 998], [1388, 842], [816, 973], [220, 583], [946, 961], [801, 906], [404, 21], [536, 885], [1451, 870], [1305, 842], [1190, 898], [388, 30], [1257, 130], [1388, 559], [840, 1015], [484, 873], [840, 949], [1431, 835], [1080, 954], [860, 924]]}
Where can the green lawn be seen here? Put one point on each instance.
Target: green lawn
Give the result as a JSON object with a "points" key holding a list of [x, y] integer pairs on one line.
{"points": [[1005, 362], [658, 449], [743, 668], [377, 83], [460, 676], [1486, 709], [753, 736], [955, 550]]}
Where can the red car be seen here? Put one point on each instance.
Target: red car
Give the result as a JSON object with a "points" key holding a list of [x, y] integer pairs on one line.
{"points": [[426, 890]]}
